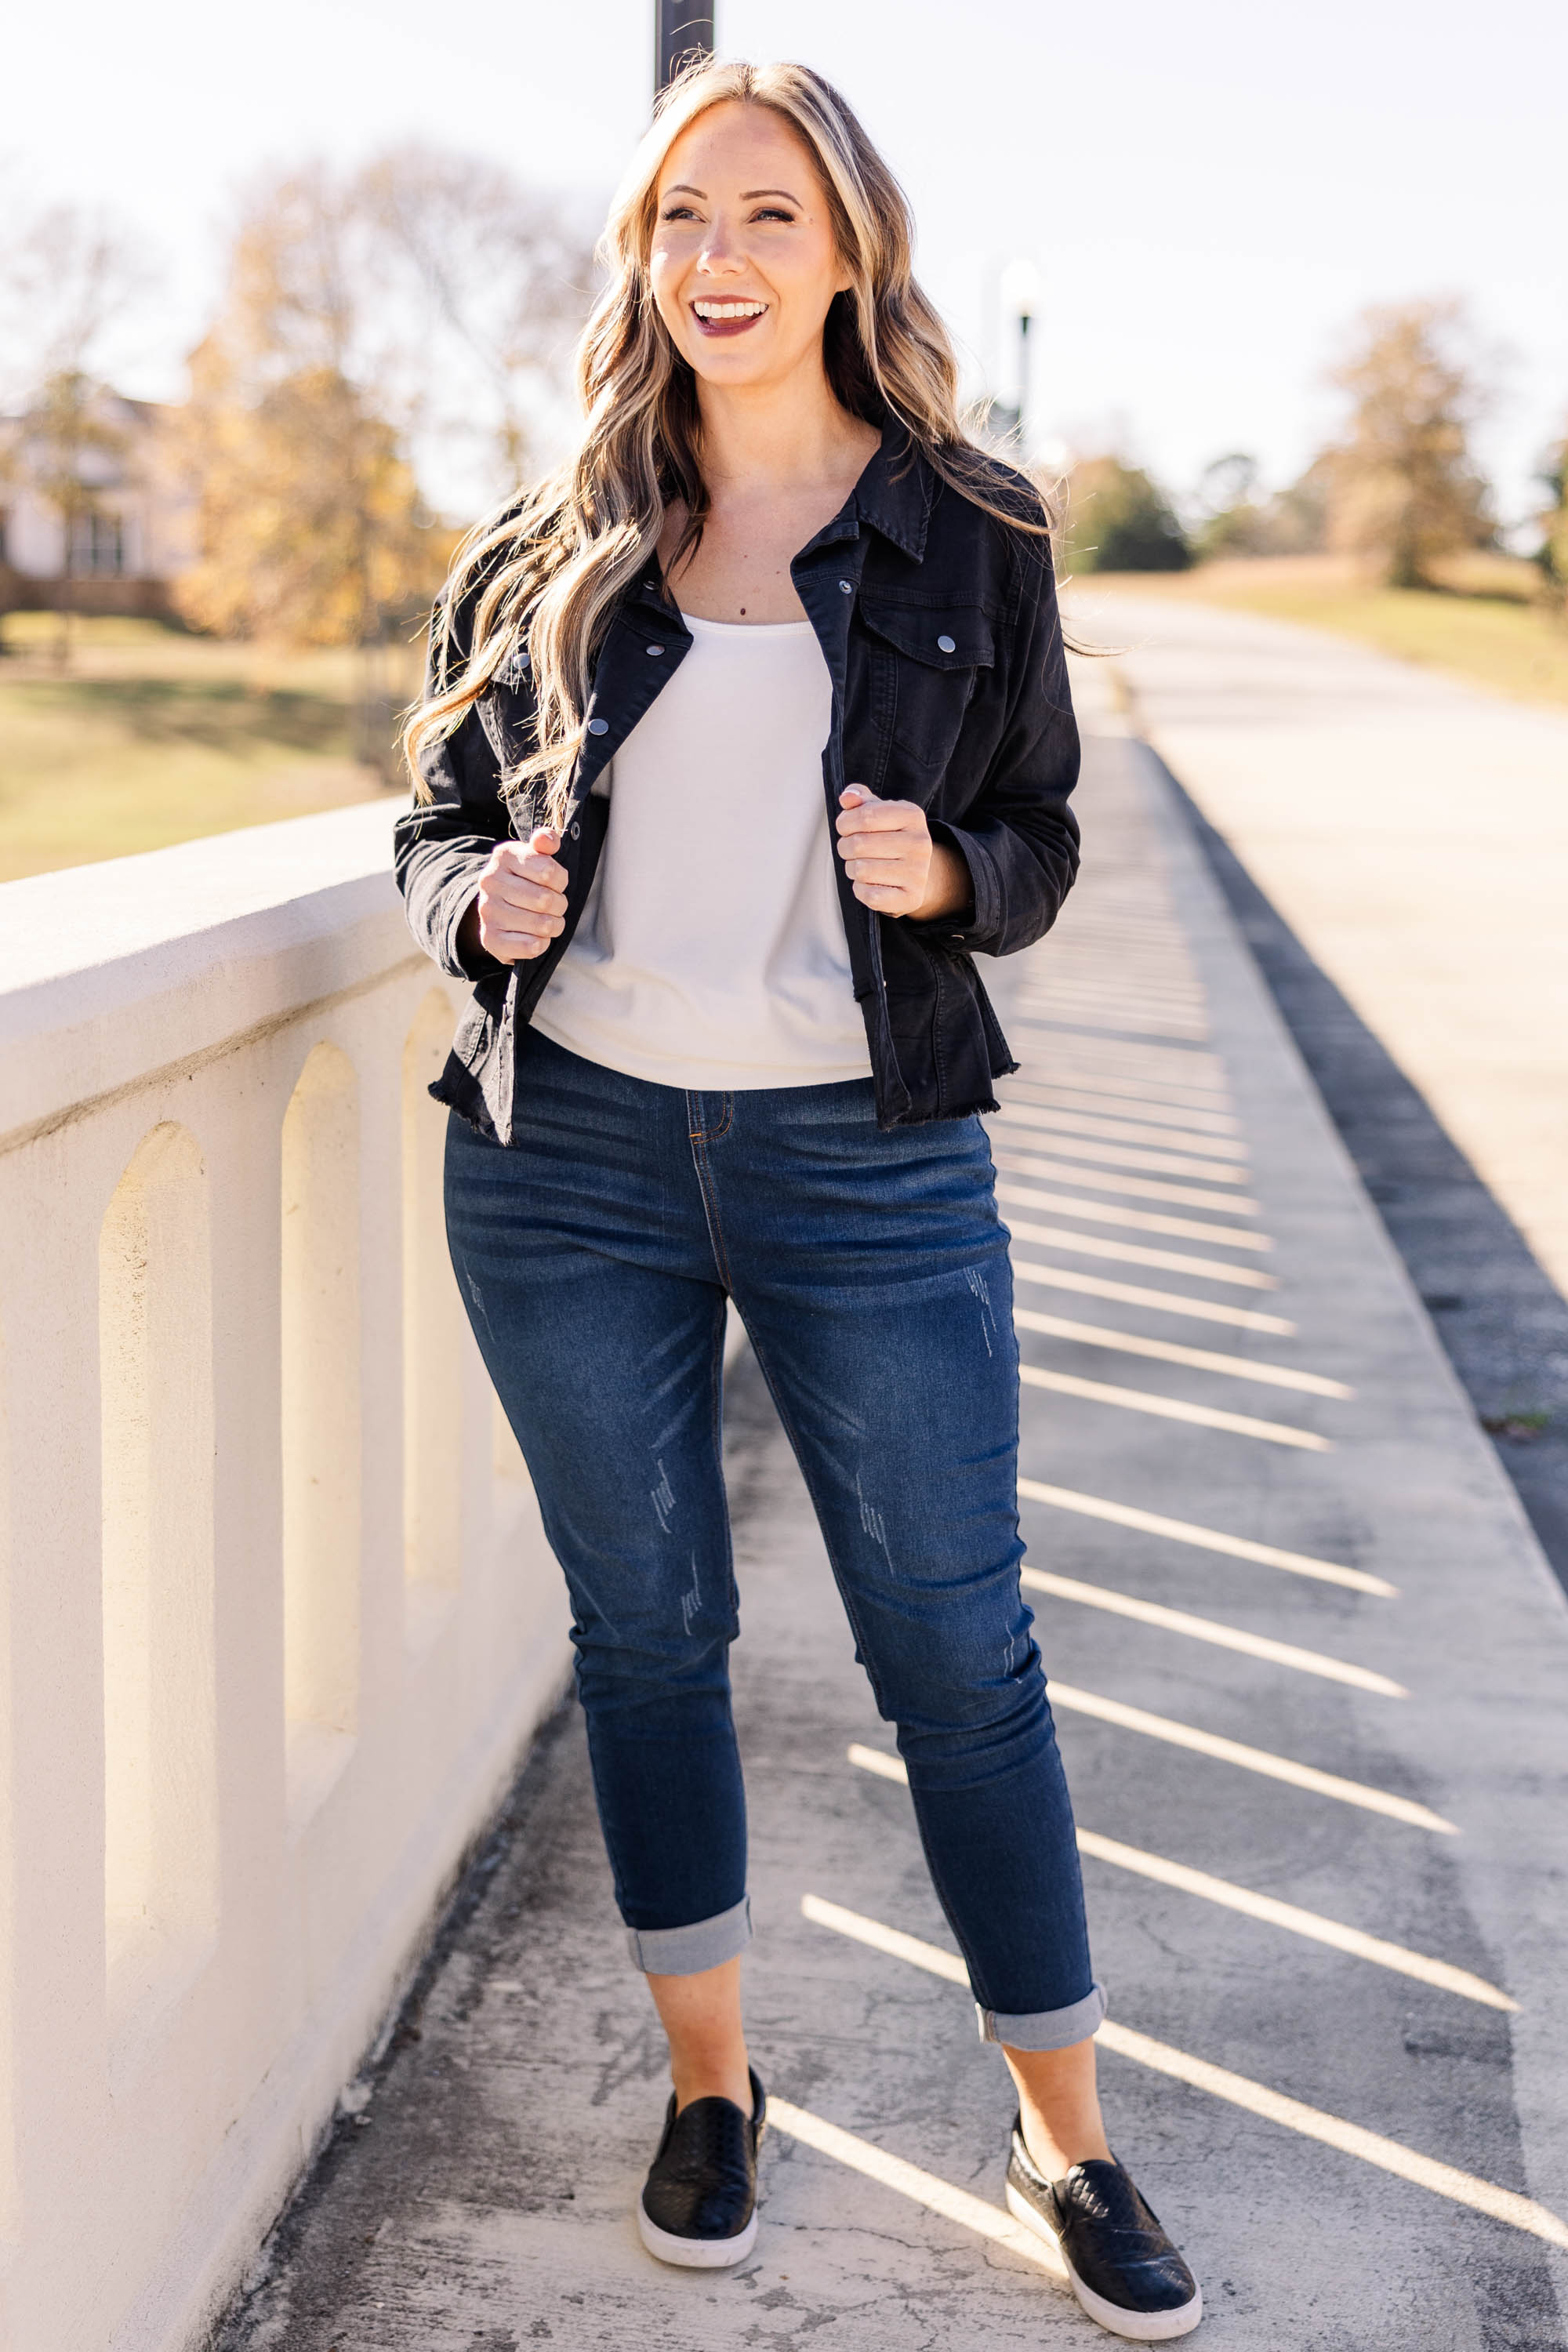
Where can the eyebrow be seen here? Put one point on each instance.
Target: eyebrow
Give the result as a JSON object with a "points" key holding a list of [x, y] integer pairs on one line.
{"points": [[748, 195]]}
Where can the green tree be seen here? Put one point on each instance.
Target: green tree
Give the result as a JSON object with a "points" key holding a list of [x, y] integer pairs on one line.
{"points": [[1120, 520], [1404, 485]]}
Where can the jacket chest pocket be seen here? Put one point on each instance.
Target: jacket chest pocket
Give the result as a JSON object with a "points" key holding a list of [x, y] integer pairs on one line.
{"points": [[927, 666]]}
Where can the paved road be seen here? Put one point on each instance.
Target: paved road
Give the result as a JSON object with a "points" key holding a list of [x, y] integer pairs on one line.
{"points": [[1308, 1666], [1415, 830], [1400, 868]]}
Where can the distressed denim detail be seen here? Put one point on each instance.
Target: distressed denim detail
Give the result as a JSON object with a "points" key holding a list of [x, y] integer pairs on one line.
{"points": [[687, 1952], [871, 1271], [1046, 2028]]}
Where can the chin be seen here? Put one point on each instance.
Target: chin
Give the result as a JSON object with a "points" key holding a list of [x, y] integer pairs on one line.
{"points": [[729, 365], [709, 368]]}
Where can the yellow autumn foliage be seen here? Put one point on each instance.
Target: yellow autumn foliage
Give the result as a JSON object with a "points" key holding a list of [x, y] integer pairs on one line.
{"points": [[310, 525]]}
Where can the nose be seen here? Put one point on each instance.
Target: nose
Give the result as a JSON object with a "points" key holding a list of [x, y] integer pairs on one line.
{"points": [[719, 257]]}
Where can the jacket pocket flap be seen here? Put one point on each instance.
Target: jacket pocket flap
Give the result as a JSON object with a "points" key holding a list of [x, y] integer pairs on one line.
{"points": [[958, 639]]}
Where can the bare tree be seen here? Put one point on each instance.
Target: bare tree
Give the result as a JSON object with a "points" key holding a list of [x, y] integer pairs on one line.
{"points": [[67, 277], [486, 283], [1404, 484], [67, 280]]}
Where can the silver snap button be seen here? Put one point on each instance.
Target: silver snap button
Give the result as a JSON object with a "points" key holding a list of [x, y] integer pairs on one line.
{"points": [[598, 726], [655, 650], [947, 644], [847, 586], [576, 831]]}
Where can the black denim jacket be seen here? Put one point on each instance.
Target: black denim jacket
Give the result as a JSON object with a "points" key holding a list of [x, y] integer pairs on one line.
{"points": [[940, 630]]}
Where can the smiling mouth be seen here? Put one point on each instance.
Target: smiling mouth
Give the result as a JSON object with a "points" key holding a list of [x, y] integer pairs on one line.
{"points": [[716, 318]]}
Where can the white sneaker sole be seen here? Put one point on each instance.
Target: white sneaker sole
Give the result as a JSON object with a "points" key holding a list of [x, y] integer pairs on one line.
{"points": [[1138, 2327], [695, 2253]]}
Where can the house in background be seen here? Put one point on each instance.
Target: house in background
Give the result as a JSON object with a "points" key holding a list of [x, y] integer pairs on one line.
{"points": [[135, 530]]}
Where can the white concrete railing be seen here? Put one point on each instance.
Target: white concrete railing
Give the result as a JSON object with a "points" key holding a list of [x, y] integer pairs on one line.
{"points": [[276, 1614]]}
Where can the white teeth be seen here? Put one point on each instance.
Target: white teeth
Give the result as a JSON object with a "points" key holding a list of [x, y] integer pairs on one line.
{"points": [[729, 309]]}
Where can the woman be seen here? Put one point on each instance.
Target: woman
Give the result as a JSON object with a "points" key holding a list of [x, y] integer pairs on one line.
{"points": [[727, 1042]]}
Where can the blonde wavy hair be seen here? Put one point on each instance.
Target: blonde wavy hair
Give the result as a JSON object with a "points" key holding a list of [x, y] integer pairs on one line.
{"points": [[543, 574]]}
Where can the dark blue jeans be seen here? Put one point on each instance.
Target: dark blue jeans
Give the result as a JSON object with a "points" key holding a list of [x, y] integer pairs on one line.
{"points": [[595, 1254]]}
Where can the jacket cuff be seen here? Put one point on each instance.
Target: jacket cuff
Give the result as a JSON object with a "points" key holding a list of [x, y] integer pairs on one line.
{"points": [[976, 933], [455, 900]]}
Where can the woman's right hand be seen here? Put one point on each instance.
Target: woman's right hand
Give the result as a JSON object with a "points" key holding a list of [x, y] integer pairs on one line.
{"points": [[521, 905]]}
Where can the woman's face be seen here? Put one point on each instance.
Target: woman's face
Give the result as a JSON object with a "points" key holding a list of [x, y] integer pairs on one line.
{"points": [[744, 264]]}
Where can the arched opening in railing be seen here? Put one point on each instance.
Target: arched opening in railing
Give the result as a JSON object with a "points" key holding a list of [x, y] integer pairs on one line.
{"points": [[432, 1338], [161, 1860], [321, 1424]]}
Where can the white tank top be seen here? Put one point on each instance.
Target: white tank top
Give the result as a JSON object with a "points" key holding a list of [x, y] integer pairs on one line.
{"points": [[710, 953]]}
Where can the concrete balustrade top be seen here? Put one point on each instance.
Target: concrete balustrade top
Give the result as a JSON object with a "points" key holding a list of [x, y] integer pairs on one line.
{"points": [[112, 971]]}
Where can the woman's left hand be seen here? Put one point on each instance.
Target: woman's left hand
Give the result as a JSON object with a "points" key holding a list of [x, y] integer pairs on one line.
{"points": [[892, 861]]}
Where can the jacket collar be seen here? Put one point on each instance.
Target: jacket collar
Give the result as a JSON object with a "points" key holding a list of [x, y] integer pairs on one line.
{"points": [[895, 493]]}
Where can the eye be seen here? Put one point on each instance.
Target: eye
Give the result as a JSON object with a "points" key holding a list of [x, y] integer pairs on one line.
{"points": [[775, 213], [677, 212]]}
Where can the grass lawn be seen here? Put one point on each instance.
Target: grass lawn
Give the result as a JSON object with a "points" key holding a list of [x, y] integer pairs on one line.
{"points": [[1483, 624], [151, 736]]}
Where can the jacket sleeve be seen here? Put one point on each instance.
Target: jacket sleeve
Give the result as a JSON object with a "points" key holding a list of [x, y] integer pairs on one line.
{"points": [[1019, 837], [442, 846]]}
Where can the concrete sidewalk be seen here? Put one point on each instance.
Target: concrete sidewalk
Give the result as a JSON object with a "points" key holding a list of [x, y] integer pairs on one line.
{"points": [[1402, 840], [1309, 1669]]}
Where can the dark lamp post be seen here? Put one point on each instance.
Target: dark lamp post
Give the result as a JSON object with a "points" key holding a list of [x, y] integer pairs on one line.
{"points": [[679, 28], [1021, 297]]}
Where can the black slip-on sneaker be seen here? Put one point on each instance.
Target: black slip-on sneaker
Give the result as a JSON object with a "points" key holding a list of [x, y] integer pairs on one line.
{"points": [[698, 2204], [1121, 2266]]}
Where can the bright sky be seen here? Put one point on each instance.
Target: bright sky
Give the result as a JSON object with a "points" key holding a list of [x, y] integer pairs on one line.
{"points": [[1208, 192]]}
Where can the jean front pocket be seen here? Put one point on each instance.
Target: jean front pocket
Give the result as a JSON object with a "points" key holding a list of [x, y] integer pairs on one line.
{"points": [[932, 658]]}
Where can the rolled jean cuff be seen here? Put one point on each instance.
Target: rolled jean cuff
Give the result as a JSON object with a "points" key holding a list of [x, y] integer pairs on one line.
{"points": [[687, 1952], [1044, 2029]]}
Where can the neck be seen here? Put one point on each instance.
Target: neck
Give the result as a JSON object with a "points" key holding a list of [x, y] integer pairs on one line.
{"points": [[778, 436]]}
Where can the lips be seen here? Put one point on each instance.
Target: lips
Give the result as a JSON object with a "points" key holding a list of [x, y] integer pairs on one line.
{"points": [[717, 319]]}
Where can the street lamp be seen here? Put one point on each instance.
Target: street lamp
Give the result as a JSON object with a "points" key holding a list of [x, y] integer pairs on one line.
{"points": [[679, 28], [1021, 299]]}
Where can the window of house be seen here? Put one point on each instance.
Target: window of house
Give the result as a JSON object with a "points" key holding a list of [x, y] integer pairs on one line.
{"points": [[99, 547]]}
